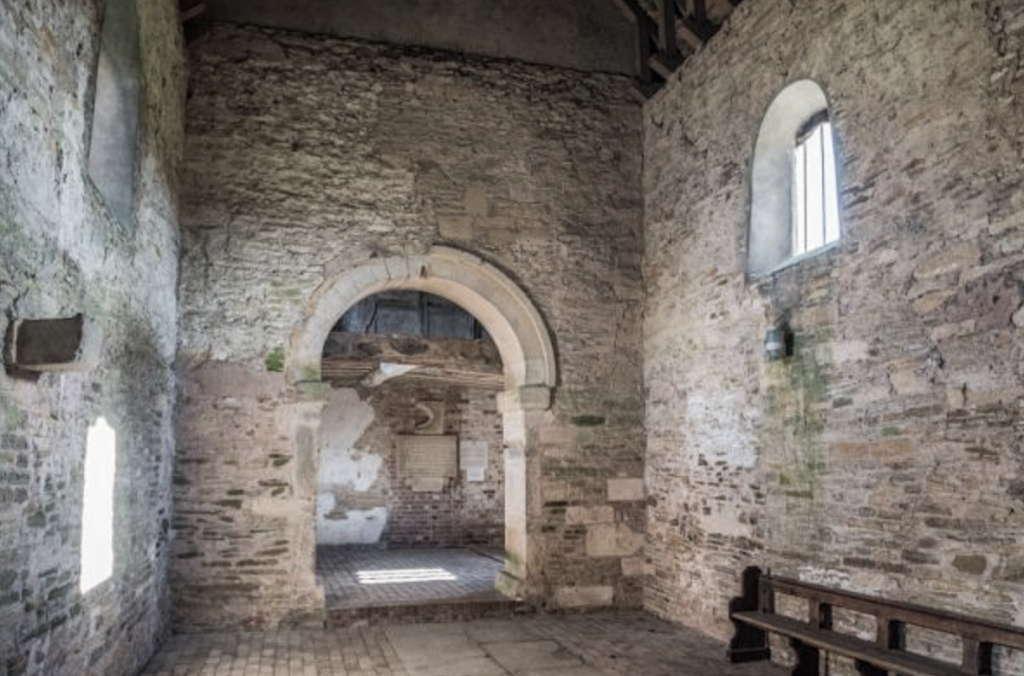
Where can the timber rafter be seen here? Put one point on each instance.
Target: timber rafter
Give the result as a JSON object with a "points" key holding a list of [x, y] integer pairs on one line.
{"points": [[194, 20], [667, 32]]}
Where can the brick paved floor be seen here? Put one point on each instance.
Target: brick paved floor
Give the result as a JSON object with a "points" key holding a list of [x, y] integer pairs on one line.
{"points": [[593, 644], [355, 577]]}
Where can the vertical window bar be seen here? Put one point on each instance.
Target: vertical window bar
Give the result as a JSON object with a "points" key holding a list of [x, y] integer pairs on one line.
{"points": [[799, 202], [807, 203], [832, 187], [824, 198]]}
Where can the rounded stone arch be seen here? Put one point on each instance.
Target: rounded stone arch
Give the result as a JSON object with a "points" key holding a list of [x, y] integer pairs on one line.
{"points": [[528, 357], [475, 285]]}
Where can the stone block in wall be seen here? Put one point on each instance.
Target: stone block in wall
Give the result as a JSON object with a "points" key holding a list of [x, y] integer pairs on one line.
{"points": [[623, 490], [633, 566], [586, 514], [883, 449], [223, 379], [613, 539], [584, 597], [952, 259], [455, 227]]}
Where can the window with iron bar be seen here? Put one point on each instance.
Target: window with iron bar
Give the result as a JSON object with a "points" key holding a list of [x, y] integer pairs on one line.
{"points": [[815, 198]]}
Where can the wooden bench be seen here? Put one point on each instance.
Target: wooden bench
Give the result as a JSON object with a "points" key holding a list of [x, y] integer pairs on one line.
{"points": [[755, 618]]}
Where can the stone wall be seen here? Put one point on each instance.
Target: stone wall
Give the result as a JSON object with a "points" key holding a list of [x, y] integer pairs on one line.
{"points": [[309, 157], [62, 253], [884, 455], [363, 497]]}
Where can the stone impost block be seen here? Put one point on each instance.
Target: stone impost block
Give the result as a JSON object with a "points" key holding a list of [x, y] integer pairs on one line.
{"points": [[225, 379], [528, 398]]}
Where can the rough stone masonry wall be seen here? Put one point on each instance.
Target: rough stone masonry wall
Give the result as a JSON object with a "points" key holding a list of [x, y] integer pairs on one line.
{"points": [[310, 156], [885, 454], [363, 497], [61, 254]]}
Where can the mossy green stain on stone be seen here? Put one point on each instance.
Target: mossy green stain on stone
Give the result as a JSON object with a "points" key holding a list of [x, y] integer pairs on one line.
{"points": [[11, 418], [274, 361], [587, 420], [311, 373], [797, 407]]}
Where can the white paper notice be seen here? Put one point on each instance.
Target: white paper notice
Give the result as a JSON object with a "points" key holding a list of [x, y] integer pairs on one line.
{"points": [[473, 455]]}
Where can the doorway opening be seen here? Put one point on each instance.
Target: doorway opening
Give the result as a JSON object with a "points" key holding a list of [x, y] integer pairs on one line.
{"points": [[410, 489], [529, 376]]}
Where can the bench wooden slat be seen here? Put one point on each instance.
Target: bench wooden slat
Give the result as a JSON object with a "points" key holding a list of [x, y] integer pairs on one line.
{"points": [[921, 616], [850, 646]]}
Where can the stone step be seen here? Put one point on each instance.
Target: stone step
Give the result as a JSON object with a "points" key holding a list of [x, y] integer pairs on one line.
{"points": [[432, 611]]}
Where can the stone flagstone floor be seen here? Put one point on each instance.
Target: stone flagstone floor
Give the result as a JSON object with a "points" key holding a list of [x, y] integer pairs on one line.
{"points": [[591, 644]]}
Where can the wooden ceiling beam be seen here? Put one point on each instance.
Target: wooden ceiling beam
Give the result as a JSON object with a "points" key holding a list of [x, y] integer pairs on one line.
{"points": [[189, 13], [194, 20], [663, 65], [657, 53], [697, 25], [700, 11], [667, 29]]}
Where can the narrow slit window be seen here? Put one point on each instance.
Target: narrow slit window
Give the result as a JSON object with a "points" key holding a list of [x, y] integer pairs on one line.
{"points": [[815, 202], [98, 506]]}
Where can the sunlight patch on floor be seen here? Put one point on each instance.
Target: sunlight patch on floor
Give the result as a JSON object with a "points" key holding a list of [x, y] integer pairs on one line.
{"points": [[404, 575]]}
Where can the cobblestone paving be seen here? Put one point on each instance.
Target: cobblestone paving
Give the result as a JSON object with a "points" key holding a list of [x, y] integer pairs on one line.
{"points": [[356, 577], [593, 644]]}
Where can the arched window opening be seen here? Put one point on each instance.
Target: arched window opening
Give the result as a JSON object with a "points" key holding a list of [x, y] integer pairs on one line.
{"points": [[112, 143], [97, 558], [794, 208]]}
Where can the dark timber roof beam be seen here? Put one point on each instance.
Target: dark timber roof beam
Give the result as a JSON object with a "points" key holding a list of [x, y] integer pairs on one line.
{"points": [[659, 29]]}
